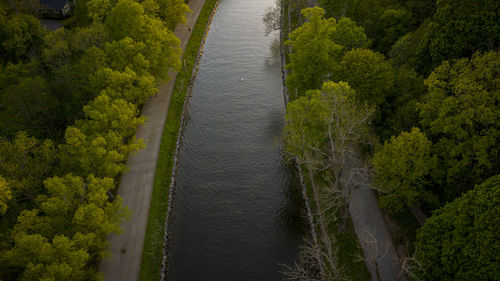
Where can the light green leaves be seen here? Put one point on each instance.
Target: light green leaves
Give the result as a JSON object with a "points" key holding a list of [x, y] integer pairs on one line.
{"points": [[403, 168]]}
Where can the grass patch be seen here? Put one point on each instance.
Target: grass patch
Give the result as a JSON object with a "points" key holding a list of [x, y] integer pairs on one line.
{"points": [[346, 243], [153, 243]]}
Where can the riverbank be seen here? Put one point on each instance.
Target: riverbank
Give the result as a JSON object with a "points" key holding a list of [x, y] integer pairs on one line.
{"points": [[136, 186], [349, 261], [151, 266]]}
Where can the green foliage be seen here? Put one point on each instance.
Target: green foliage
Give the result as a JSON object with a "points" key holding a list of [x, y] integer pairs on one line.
{"points": [[399, 113], [392, 24], [5, 195], [421, 9], [100, 144], [368, 73], [304, 133], [172, 12], [161, 46], [109, 69], [126, 19], [60, 259], [322, 117], [314, 54], [25, 163], [404, 50], [86, 202], [98, 9], [21, 36], [349, 35], [460, 240], [74, 208], [459, 28], [126, 85], [27, 104], [403, 169], [339, 8], [461, 115]]}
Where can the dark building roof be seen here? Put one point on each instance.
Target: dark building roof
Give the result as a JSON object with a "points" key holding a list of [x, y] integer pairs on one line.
{"points": [[55, 4]]}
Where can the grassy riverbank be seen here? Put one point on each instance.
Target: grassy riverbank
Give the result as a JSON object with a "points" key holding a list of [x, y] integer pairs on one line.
{"points": [[345, 243], [153, 243]]}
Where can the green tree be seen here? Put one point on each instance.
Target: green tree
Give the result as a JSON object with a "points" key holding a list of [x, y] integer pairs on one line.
{"points": [[100, 144], [78, 208], [339, 8], [349, 35], [314, 54], [25, 162], [161, 46], [74, 205], [172, 12], [27, 104], [99, 9], [459, 28], [461, 115], [322, 129], [460, 240], [5, 195], [126, 85], [107, 115], [403, 171], [392, 24], [368, 73], [41, 259], [21, 36]]}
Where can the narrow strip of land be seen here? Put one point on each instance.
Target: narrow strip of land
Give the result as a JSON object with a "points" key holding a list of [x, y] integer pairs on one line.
{"points": [[379, 252], [136, 185]]}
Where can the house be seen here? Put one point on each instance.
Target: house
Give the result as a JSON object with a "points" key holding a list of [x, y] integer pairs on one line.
{"points": [[57, 8]]}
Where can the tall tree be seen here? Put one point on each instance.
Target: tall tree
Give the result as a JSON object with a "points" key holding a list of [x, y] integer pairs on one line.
{"points": [[403, 168], [21, 36], [314, 54], [100, 144], [460, 240], [5, 195], [350, 35], [25, 162], [322, 130], [368, 73], [339, 8], [392, 24], [172, 12], [161, 46], [461, 114], [459, 28]]}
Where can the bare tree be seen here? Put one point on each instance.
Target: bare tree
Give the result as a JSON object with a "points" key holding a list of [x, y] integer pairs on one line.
{"points": [[272, 18]]}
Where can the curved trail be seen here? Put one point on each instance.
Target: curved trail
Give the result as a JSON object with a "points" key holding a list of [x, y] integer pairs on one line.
{"points": [[136, 186]]}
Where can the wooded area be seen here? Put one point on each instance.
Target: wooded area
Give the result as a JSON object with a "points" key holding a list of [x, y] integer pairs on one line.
{"points": [[425, 75], [70, 103]]}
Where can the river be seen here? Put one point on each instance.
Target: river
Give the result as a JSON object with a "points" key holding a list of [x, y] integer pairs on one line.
{"points": [[236, 212]]}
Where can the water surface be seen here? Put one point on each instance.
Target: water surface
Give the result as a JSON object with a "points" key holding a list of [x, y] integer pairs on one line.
{"points": [[233, 216]]}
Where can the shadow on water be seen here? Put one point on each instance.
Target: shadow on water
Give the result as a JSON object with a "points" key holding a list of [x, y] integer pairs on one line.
{"points": [[293, 212]]}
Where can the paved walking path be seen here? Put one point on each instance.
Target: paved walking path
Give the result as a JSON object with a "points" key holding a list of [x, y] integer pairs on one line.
{"points": [[379, 253], [136, 186]]}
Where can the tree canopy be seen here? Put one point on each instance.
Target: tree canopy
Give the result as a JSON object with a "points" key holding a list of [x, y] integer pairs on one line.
{"points": [[368, 73], [314, 53], [460, 28], [403, 171], [461, 114], [460, 240]]}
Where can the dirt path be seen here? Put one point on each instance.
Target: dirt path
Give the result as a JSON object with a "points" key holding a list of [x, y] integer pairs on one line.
{"points": [[381, 258], [136, 186]]}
